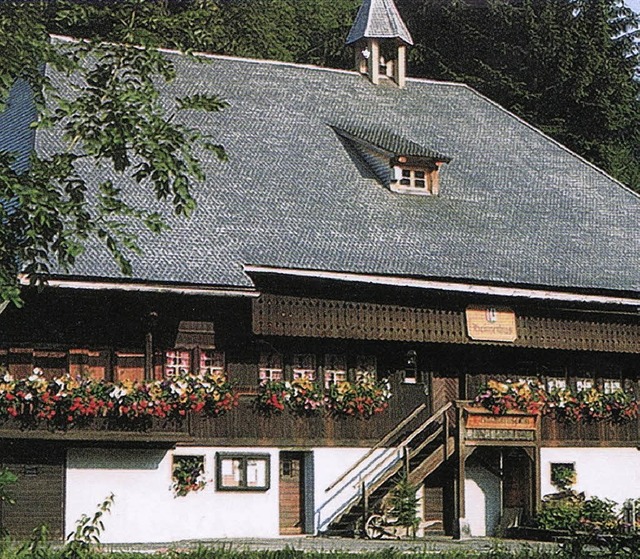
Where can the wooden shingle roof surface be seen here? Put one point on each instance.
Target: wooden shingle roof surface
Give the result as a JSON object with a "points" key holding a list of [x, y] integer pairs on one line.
{"points": [[515, 207]]}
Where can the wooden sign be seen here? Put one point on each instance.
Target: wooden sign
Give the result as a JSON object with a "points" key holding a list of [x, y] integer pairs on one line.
{"points": [[512, 422], [495, 324]]}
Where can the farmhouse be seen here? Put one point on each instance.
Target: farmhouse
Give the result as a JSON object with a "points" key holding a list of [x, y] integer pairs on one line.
{"points": [[373, 236]]}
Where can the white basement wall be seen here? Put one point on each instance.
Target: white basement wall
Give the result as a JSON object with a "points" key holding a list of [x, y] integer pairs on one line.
{"points": [[482, 495], [608, 473], [146, 510]]}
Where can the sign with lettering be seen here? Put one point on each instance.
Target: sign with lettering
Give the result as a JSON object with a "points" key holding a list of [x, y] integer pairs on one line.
{"points": [[513, 422], [494, 324]]}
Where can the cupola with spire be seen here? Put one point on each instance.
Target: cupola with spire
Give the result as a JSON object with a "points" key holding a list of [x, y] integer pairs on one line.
{"points": [[380, 38]]}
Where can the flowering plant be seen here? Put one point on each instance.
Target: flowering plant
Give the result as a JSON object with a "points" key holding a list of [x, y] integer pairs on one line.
{"points": [[67, 400], [584, 405], [362, 398], [501, 397], [300, 396], [592, 405], [187, 474]]}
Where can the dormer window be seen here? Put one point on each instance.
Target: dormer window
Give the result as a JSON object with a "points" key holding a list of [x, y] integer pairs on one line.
{"points": [[401, 165], [415, 177]]}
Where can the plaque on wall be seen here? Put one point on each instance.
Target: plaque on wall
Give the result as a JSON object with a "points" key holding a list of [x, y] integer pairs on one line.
{"points": [[493, 324]]}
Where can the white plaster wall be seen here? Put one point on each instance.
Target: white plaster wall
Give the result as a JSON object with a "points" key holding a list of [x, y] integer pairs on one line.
{"points": [[145, 508], [482, 495], [608, 473]]}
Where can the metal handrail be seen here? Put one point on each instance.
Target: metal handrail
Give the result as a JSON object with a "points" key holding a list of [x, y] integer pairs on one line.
{"points": [[380, 443]]}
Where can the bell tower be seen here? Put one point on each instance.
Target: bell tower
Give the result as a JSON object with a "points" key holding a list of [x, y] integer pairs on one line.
{"points": [[380, 39]]}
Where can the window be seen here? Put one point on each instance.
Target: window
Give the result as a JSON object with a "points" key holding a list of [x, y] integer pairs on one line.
{"points": [[185, 361], [365, 366], [584, 384], [335, 369], [609, 386], [270, 366], [556, 384], [243, 472], [129, 366], [303, 365], [187, 474], [411, 367], [211, 362], [563, 475], [177, 362], [415, 180]]}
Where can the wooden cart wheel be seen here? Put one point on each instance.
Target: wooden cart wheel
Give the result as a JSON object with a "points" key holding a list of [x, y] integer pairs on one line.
{"points": [[374, 527]]}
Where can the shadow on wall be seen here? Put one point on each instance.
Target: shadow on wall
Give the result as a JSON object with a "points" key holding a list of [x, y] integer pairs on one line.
{"points": [[111, 458]]}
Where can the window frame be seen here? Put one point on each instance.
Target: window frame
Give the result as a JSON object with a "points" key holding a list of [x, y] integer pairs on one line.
{"points": [[244, 457]]}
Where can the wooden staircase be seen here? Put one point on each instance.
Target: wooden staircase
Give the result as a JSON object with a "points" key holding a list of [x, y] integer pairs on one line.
{"points": [[420, 451]]}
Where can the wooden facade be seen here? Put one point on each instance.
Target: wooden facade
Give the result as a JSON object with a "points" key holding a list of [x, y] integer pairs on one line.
{"points": [[422, 345]]}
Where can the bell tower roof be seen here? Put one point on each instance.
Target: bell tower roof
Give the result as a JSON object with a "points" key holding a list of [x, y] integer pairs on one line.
{"points": [[379, 19]]}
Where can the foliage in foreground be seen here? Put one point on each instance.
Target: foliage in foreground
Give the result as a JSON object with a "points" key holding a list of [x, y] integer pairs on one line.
{"points": [[203, 552]]}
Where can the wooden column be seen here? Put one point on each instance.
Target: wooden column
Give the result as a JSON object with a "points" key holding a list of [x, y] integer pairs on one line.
{"points": [[400, 67], [374, 61], [152, 319], [462, 456]]}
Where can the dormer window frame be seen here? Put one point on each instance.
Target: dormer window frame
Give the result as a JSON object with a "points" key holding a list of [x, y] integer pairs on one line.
{"points": [[413, 175]]}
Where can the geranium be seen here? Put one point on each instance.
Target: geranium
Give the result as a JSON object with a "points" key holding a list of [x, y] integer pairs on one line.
{"points": [[304, 397], [68, 400], [502, 397], [187, 475], [363, 398], [272, 396], [564, 404]]}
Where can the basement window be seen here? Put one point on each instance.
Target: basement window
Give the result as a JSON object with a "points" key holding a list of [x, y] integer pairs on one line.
{"points": [[242, 472]]}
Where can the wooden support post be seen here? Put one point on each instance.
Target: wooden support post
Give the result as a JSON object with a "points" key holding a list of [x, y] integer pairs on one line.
{"points": [[365, 505], [445, 430], [462, 456], [152, 319], [374, 61], [401, 66], [406, 457]]}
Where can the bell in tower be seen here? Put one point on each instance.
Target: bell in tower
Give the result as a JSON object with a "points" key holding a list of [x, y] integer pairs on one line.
{"points": [[380, 39]]}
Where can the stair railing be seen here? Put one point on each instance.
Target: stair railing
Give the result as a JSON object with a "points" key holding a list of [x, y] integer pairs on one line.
{"points": [[363, 478]]}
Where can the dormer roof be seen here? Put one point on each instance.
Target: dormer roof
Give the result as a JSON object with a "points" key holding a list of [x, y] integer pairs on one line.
{"points": [[389, 142], [379, 19]]}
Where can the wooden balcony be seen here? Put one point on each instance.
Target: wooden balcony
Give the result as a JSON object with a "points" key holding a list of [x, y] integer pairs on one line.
{"points": [[156, 433], [601, 433], [243, 425], [247, 426]]}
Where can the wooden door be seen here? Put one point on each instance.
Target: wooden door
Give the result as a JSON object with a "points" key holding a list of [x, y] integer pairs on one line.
{"points": [[38, 492], [516, 493], [444, 389], [292, 519]]}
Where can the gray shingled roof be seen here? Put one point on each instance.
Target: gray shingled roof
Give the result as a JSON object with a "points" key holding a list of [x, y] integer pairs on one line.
{"points": [[378, 19], [515, 207]]}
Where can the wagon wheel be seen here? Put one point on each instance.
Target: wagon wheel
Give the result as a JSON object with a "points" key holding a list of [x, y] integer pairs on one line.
{"points": [[374, 527]]}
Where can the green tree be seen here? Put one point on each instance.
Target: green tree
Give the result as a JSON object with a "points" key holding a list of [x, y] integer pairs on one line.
{"points": [[567, 66], [111, 115]]}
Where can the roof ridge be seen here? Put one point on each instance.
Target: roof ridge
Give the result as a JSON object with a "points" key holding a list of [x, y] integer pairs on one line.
{"points": [[214, 56]]}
